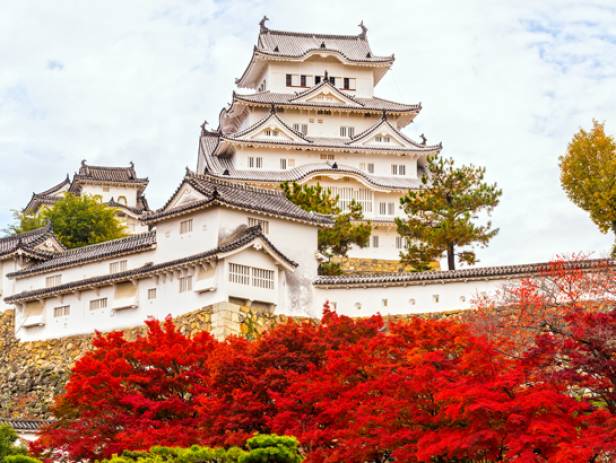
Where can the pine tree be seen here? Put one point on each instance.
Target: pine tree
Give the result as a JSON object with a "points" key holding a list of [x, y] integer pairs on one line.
{"points": [[348, 229], [442, 216]]}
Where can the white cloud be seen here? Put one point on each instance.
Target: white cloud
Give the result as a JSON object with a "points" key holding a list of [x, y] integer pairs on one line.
{"points": [[503, 84]]}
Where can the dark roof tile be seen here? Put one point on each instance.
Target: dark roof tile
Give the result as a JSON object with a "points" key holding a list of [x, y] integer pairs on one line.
{"points": [[243, 237], [108, 249], [222, 192], [479, 273]]}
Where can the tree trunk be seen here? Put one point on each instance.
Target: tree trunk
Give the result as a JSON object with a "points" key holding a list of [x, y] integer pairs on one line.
{"points": [[451, 257]]}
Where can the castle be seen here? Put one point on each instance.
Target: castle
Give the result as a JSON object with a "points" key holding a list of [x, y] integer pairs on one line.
{"points": [[227, 236]]}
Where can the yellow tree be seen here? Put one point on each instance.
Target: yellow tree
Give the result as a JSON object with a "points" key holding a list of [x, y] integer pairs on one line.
{"points": [[588, 175]]}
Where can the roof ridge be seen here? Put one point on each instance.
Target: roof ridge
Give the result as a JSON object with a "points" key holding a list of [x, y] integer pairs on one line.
{"points": [[18, 236], [313, 34], [467, 272], [134, 237], [240, 186]]}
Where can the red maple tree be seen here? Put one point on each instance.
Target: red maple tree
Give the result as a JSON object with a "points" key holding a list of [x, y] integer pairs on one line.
{"points": [[358, 389]]}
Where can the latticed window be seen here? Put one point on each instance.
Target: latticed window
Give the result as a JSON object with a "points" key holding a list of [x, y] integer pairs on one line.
{"points": [[252, 221], [185, 283], [363, 196], [119, 266], [62, 311], [262, 278], [53, 280], [186, 226], [152, 293], [255, 162], [239, 274], [96, 304]]}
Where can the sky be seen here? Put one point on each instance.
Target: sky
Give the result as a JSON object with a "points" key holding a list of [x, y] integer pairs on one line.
{"points": [[503, 85]]}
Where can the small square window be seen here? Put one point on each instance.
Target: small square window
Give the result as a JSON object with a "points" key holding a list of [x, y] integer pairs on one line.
{"points": [[435, 298], [119, 266], [371, 168], [96, 304], [186, 226], [61, 311], [151, 293], [375, 241], [53, 280], [185, 283]]}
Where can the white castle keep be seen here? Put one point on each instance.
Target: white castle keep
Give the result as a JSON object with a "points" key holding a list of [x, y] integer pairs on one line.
{"points": [[227, 235]]}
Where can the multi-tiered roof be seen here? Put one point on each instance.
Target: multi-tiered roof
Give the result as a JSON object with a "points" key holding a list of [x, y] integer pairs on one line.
{"points": [[94, 175], [218, 147], [273, 45]]}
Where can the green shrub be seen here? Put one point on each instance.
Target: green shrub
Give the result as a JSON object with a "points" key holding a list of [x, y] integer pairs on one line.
{"points": [[8, 437], [266, 448], [20, 459]]}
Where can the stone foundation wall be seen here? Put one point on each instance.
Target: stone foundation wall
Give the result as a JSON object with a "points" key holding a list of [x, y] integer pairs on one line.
{"points": [[33, 373], [361, 265]]}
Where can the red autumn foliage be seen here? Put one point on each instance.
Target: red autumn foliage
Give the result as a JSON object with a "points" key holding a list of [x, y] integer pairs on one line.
{"points": [[357, 390]]}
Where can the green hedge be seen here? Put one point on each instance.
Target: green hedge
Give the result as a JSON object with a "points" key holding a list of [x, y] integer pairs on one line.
{"points": [[266, 448]]}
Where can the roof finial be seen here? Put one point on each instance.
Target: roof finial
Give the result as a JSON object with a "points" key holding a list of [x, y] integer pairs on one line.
{"points": [[273, 109], [384, 115], [188, 172], [364, 29], [262, 25], [131, 164], [83, 162], [203, 126], [424, 140], [326, 76]]}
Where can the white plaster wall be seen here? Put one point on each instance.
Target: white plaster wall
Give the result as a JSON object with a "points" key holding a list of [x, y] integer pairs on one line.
{"points": [[386, 249], [275, 74], [114, 192], [6, 284], [81, 271], [271, 160], [171, 244], [319, 125], [398, 300], [169, 301]]}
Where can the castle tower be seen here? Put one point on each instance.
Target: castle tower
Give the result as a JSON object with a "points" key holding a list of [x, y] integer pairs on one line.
{"points": [[313, 117]]}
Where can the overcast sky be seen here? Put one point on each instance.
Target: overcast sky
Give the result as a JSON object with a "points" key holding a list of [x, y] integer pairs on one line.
{"points": [[502, 84]]}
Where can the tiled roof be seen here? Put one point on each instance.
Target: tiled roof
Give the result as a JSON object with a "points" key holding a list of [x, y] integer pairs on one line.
{"points": [[479, 273], [218, 191], [48, 196], [243, 237], [285, 45], [297, 44], [88, 173], [77, 256], [26, 242], [223, 167], [24, 425], [335, 143], [367, 104], [271, 115]]}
